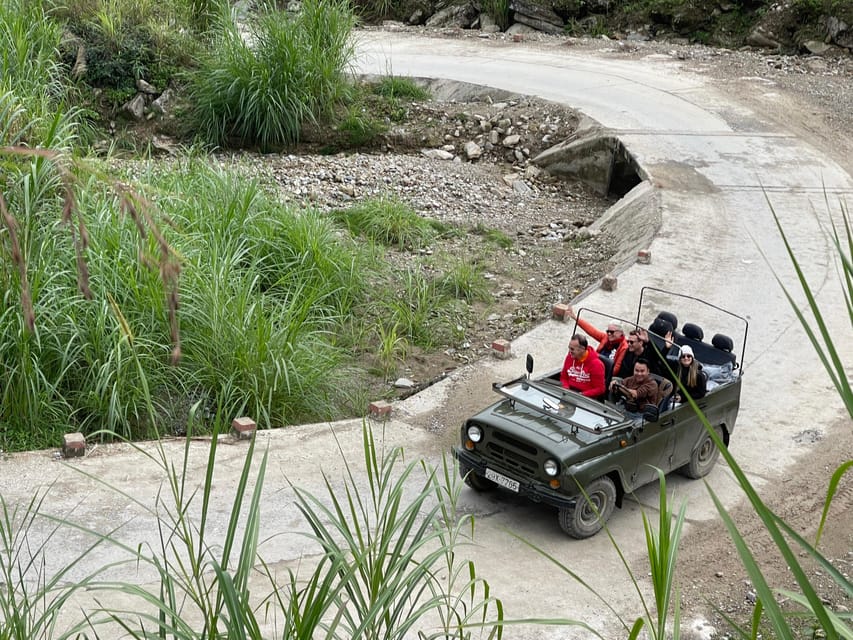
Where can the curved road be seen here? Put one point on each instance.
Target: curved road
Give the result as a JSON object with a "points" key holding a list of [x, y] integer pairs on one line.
{"points": [[714, 164], [710, 161]]}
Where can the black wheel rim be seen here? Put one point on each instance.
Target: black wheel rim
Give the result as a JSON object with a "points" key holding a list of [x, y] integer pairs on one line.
{"points": [[706, 451], [592, 507]]}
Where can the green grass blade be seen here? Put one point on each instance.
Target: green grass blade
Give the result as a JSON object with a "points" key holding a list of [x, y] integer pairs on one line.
{"points": [[763, 590]]}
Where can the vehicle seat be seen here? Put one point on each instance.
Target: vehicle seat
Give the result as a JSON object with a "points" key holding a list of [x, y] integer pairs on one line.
{"points": [[722, 342], [670, 317], [665, 389], [693, 331], [722, 351]]}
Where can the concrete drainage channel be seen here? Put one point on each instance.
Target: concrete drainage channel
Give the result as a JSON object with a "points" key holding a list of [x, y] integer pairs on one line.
{"points": [[594, 156], [600, 160]]}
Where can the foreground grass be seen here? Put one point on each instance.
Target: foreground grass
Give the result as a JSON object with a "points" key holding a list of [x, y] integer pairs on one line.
{"points": [[389, 559]]}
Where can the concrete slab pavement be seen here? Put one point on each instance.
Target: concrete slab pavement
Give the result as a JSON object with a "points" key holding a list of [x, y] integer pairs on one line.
{"points": [[710, 163]]}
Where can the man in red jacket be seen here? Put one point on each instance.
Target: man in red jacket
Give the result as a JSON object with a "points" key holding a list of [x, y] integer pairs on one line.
{"points": [[583, 371], [611, 343]]}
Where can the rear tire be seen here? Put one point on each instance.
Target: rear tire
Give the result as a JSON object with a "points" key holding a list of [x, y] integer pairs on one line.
{"points": [[704, 456], [590, 512], [476, 482]]}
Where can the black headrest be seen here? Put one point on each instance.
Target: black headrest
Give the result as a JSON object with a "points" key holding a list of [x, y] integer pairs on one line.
{"points": [[661, 326], [724, 343], [670, 318], [693, 331]]}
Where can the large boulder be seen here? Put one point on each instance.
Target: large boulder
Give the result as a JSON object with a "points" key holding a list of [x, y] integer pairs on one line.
{"points": [[460, 16], [838, 31], [536, 16]]}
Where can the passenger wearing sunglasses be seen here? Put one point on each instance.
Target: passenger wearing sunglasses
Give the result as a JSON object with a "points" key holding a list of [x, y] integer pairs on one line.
{"points": [[691, 375], [611, 342], [636, 348]]}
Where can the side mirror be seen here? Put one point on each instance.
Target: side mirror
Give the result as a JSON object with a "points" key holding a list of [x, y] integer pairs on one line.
{"points": [[529, 364]]}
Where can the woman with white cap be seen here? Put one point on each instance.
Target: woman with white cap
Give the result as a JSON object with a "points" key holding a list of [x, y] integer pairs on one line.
{"points": [[691, 376]]}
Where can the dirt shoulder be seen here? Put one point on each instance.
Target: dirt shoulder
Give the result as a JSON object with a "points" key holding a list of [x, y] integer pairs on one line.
{"points": [[711, 576]]}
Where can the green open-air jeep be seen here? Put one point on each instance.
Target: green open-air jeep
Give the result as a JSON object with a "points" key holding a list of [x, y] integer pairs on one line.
{"points": [[582, 455]]}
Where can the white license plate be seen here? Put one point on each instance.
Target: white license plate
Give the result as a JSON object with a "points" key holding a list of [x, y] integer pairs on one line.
{"points": [[502, 480]]}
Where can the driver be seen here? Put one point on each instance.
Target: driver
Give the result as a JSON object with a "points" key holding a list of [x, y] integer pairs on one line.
{"points": [[638, 390]]}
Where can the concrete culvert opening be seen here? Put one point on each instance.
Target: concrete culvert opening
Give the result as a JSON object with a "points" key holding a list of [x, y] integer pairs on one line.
{"points": [[624, 173], [600, 161]]}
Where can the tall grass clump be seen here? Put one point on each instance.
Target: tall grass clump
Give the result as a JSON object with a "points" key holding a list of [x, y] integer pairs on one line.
{"points": [[358, 127], [202, 580], [395, 87], [258, 87], [388, 221], [264, 291], [465, 281], [89, 339], [32, 86], [418, 309], [397, 550], [384, 557]]}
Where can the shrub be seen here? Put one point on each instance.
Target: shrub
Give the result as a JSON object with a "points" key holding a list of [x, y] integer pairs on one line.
{"points": [[396, 87], [388, 221], [261, 87]]}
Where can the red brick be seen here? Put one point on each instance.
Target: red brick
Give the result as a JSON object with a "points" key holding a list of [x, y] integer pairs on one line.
{"points": [[73, 445], [644, 256], [379, 409], [560, 311], [244, 427], [502, 348]]}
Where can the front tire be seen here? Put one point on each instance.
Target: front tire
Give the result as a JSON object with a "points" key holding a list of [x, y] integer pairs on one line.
{"points": [[591, 511], [704, 456], [476, 482]]}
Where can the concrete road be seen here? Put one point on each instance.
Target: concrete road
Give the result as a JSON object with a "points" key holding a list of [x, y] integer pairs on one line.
{"points": [[711, 162]]}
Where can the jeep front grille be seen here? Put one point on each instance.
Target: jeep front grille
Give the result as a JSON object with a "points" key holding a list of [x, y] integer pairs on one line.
{"points": [[513, 454]]}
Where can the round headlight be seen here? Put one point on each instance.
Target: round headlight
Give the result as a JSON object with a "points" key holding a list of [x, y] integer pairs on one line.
{"points": [[552, 468], [475, 433]]}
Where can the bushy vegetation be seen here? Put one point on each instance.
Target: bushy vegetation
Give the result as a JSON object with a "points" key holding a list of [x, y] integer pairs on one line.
{"points": [[387, 221], [270, 308], [32, 87], [123, 306], [260, 82], [110, 44]]}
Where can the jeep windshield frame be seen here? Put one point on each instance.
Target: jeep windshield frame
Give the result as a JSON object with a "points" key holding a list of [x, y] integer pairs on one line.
{"points": [[567, 407]]}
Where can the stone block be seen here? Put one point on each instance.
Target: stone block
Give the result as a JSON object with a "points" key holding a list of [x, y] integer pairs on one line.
{"points": [[379, 409], [609, 282], [502, 348], [244, 427], [73, 445], [560, 311]]}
